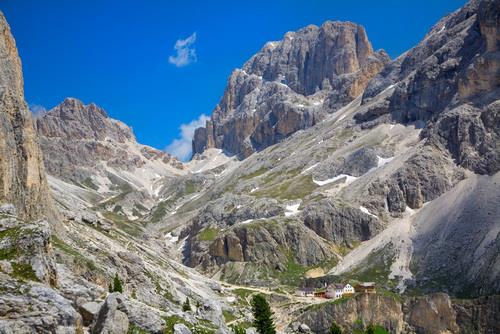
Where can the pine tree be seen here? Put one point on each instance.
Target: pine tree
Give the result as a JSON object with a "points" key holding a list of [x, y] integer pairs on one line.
{"points": [[335, 329], [262, 315], [186, 306], [110, 287], [117, 284]]}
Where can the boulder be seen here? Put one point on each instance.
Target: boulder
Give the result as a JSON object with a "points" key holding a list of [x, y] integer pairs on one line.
{"points": [[89, 312], [112, 317], [8, 209], [303, 328], [181, 329]]}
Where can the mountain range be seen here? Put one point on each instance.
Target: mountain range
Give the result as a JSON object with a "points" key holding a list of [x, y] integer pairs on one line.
{"points": [[325, 161]]}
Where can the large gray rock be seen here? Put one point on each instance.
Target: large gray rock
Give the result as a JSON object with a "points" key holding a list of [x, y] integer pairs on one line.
{"points": [[89, 312], [181, 329], [35, 308], [112, 317], [426, 175], [356, 164], [145, 317]]}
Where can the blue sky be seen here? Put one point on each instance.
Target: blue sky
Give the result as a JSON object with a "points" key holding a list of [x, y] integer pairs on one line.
{"points": [[120, 54]]}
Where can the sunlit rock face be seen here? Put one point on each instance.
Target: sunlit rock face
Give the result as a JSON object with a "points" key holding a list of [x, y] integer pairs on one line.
{"points": [[22, 178]]}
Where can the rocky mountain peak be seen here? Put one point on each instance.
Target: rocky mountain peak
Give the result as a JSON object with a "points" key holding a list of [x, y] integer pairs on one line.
{"points": [[81, 142], [72, 119], [312, 58], [290, 85]]}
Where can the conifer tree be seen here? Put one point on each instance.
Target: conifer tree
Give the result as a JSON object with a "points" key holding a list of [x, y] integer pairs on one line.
{"points": [[117, 284], [335, 329], [186, 306], [262, 313]]}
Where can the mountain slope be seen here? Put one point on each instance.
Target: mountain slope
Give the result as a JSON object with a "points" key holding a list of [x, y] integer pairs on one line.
{"points": [[369, 168]]}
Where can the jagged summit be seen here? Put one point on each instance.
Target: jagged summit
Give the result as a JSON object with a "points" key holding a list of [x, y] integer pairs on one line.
{"points": [[290, 85], [72, 119]]}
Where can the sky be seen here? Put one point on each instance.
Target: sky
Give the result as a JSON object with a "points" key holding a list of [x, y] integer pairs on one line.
{"points": [[161, 66]]}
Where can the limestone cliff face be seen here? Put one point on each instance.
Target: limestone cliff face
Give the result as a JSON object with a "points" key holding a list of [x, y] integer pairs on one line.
{"points": [[289, 85], [22, 178], [430, 314], [356, 312], [450, 81]]}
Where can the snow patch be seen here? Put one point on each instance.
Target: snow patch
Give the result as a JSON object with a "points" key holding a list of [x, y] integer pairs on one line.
{"points": [[365, 210], [292, 209], [246, 221], [348, 179], [383, 161], [171, 238]]}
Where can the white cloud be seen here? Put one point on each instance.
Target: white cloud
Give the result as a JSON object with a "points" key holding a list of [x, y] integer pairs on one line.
{"points": [[185, 51], [37, 110], [182, 147]]}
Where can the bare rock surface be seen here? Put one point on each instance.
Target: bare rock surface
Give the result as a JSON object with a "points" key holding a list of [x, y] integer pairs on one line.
{"points": [[22, 177]]}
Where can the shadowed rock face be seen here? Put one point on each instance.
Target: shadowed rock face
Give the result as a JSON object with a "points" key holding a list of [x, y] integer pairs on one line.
{"points": [[22, 178], [289, 85]]}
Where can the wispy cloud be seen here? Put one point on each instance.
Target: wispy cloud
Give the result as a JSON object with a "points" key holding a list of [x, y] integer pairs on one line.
{"points": [[182, 147], [37, 110], [185, 52]]}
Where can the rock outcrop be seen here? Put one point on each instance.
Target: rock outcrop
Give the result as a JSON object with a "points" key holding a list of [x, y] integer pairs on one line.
{"points": [[339, 223], [356, 313], [245, 250], [26, 250], [112, 317], [290, 85], [22, 177], [432, 314], [35, 308]]}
